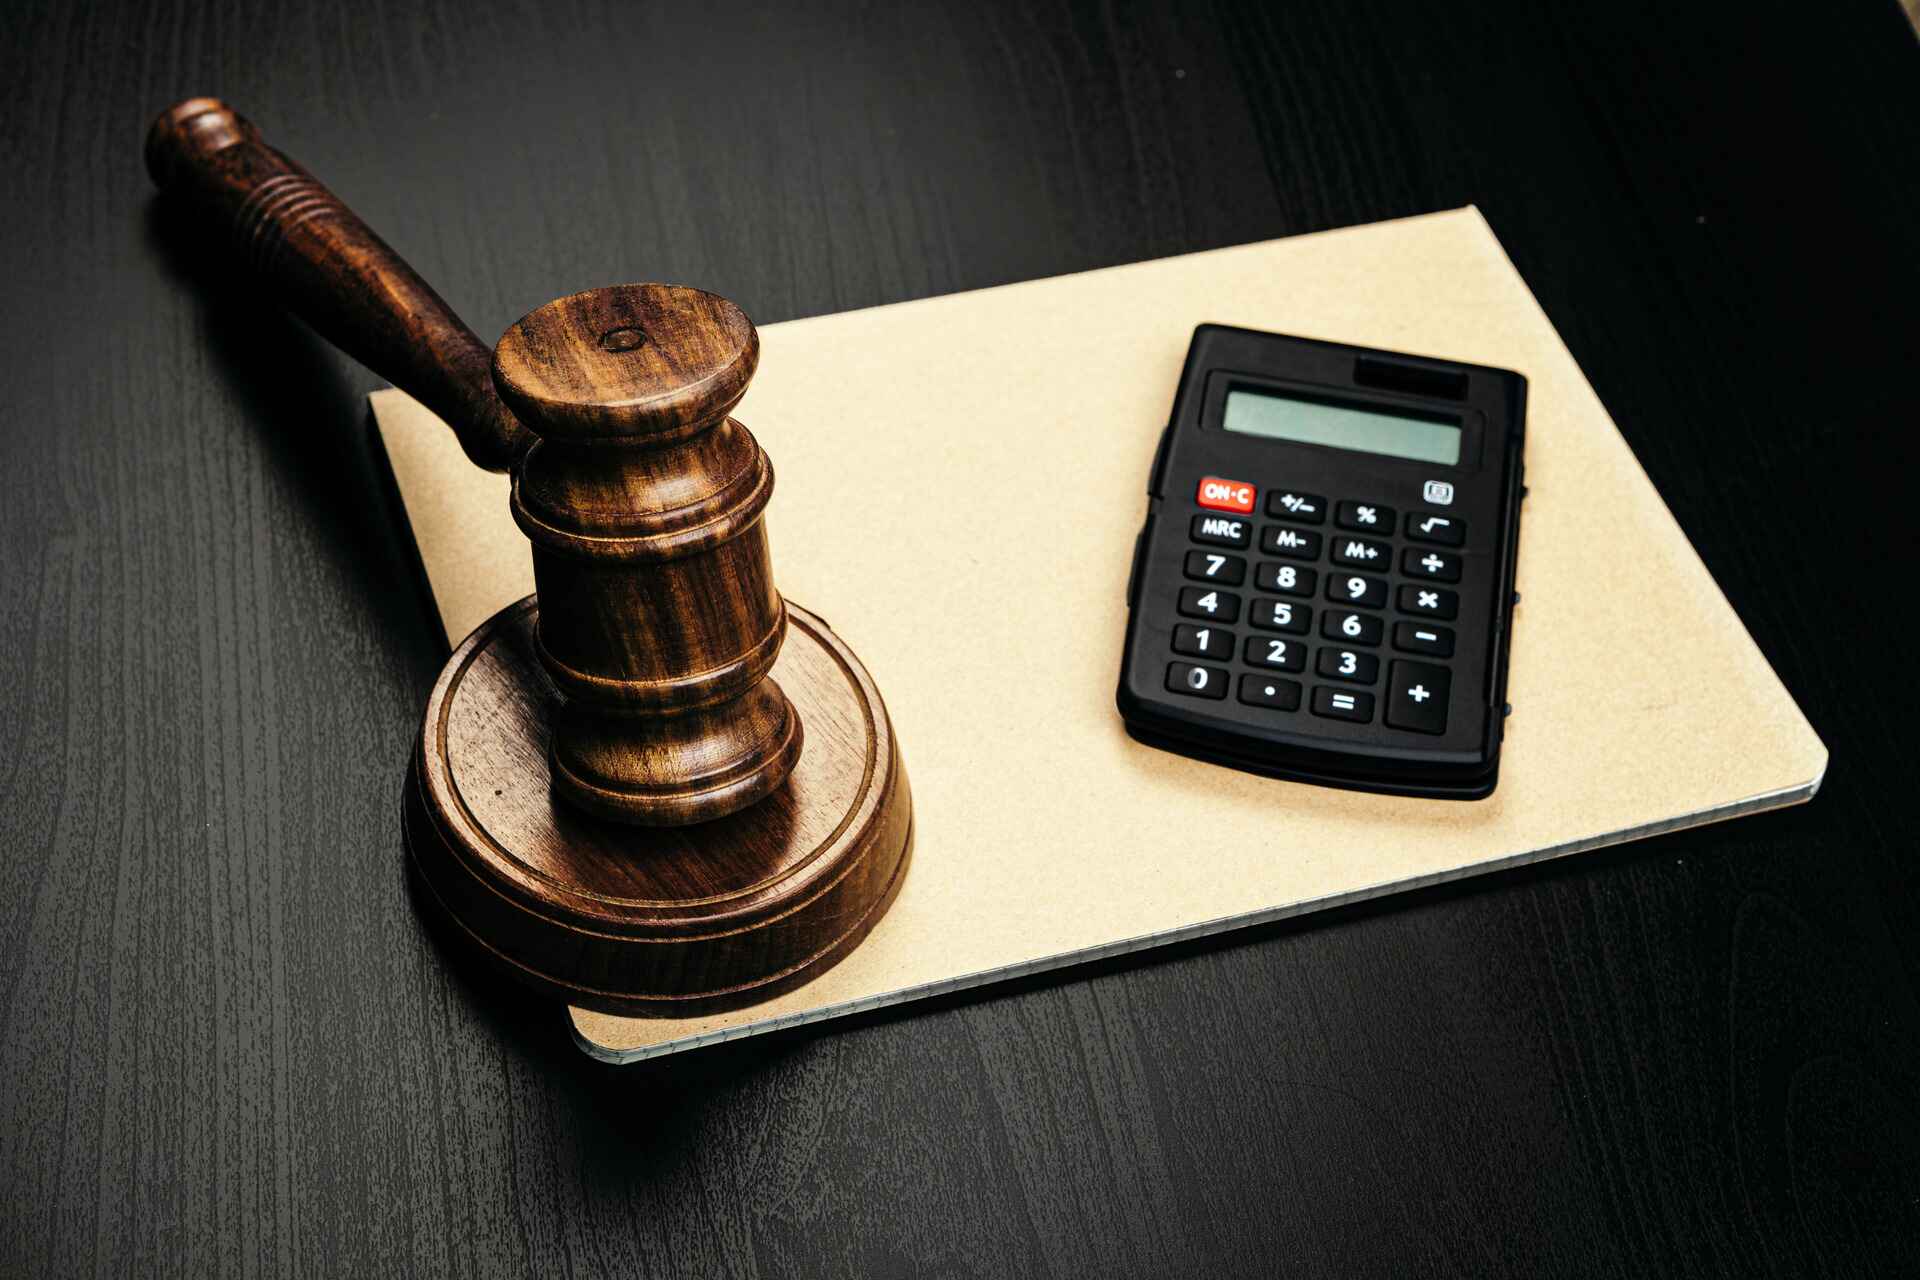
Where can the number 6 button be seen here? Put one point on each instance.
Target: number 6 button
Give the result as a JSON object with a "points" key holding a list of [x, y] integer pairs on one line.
{"points": [[1355, 588]]}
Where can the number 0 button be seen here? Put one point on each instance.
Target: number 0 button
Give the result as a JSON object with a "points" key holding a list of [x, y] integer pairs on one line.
{"points": [[1196, 681]]}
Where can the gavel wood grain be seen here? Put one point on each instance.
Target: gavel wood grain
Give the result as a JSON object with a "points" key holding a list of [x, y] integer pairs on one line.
{"points": [[611, 799]]}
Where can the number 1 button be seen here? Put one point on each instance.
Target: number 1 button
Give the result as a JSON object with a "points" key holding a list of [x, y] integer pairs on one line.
{"points": [[1417, 697]]}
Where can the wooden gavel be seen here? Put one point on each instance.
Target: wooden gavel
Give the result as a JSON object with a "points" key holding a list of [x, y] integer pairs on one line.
{"points": [[641, 497], [697, 858]]}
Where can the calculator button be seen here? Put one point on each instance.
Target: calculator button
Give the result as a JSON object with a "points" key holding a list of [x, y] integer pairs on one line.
{"points": [[1433, 602], [1280, 615], [1425, 526], [1294, 544], [1352, 588], [1216, 494], [1284, 579], [1270, 691], [1302, 508], [1362, 553], [1203, 642], [1352, 628], [1222, 531], [1423, 637], [1196, 681], [1276, 655], [1348, 664], [1343, 704], [1364, 517], [1434, 566], [1208, 602], [1417, 697], [1212, 566]]}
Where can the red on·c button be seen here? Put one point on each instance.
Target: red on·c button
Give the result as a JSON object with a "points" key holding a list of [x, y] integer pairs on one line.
{"points": [[1225, 495]]}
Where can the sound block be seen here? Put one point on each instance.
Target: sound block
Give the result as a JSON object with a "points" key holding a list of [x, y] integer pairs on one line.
{"points": [[639, 920]]}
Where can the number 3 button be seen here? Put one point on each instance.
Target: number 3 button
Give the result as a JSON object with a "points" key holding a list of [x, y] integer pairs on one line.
{"points": [[1349, 664], [1355, 588]]}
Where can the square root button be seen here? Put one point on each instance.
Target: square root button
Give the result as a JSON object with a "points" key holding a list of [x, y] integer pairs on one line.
{"points": [[1417, 697]]}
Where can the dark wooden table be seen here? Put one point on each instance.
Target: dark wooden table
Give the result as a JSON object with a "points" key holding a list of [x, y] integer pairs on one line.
{"points": [[229, 1049]]}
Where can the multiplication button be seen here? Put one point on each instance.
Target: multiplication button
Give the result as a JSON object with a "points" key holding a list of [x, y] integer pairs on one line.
{"points": [[1196, 681], [1417, 697], [1433, 602], [1343, 704]]}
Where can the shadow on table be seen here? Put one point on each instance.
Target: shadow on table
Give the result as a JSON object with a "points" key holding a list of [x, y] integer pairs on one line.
{"points": [[640, 1120], [308, 404]]}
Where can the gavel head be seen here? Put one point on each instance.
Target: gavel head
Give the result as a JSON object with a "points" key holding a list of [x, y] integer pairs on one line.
{"points": [[659, 620]]}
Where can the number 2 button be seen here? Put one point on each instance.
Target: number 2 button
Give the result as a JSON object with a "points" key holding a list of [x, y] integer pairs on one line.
{"points": [[1276, 655]]}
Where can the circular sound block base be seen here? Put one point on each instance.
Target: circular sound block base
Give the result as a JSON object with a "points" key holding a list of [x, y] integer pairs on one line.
{"points": [[667, 921]]}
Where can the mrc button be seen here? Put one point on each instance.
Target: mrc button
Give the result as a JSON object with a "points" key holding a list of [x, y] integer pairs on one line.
{"points": [[1216, 494]]}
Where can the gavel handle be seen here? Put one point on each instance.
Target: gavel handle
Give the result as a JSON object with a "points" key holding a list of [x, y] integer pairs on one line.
{"points": [[329, 268]]}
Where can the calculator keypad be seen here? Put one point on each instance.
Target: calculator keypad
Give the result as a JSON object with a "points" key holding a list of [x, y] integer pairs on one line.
{"points": [[1352, 570]]}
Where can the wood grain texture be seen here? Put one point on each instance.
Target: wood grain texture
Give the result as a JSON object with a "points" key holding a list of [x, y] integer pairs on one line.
{"points": [[644, 503], [231, 1050], [316, 257], [668, 921]]}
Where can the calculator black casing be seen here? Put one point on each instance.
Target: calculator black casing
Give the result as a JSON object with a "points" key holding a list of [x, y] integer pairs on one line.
{"points": [[1490, 404]]}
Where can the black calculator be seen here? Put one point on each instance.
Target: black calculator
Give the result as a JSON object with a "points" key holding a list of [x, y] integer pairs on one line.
{"points": [[1323, 588]]}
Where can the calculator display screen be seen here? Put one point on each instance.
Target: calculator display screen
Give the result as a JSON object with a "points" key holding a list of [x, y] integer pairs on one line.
{"points": [[1257, 413]]}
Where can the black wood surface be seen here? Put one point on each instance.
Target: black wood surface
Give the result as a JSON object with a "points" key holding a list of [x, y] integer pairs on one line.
{"points": [[228, 1046]]}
